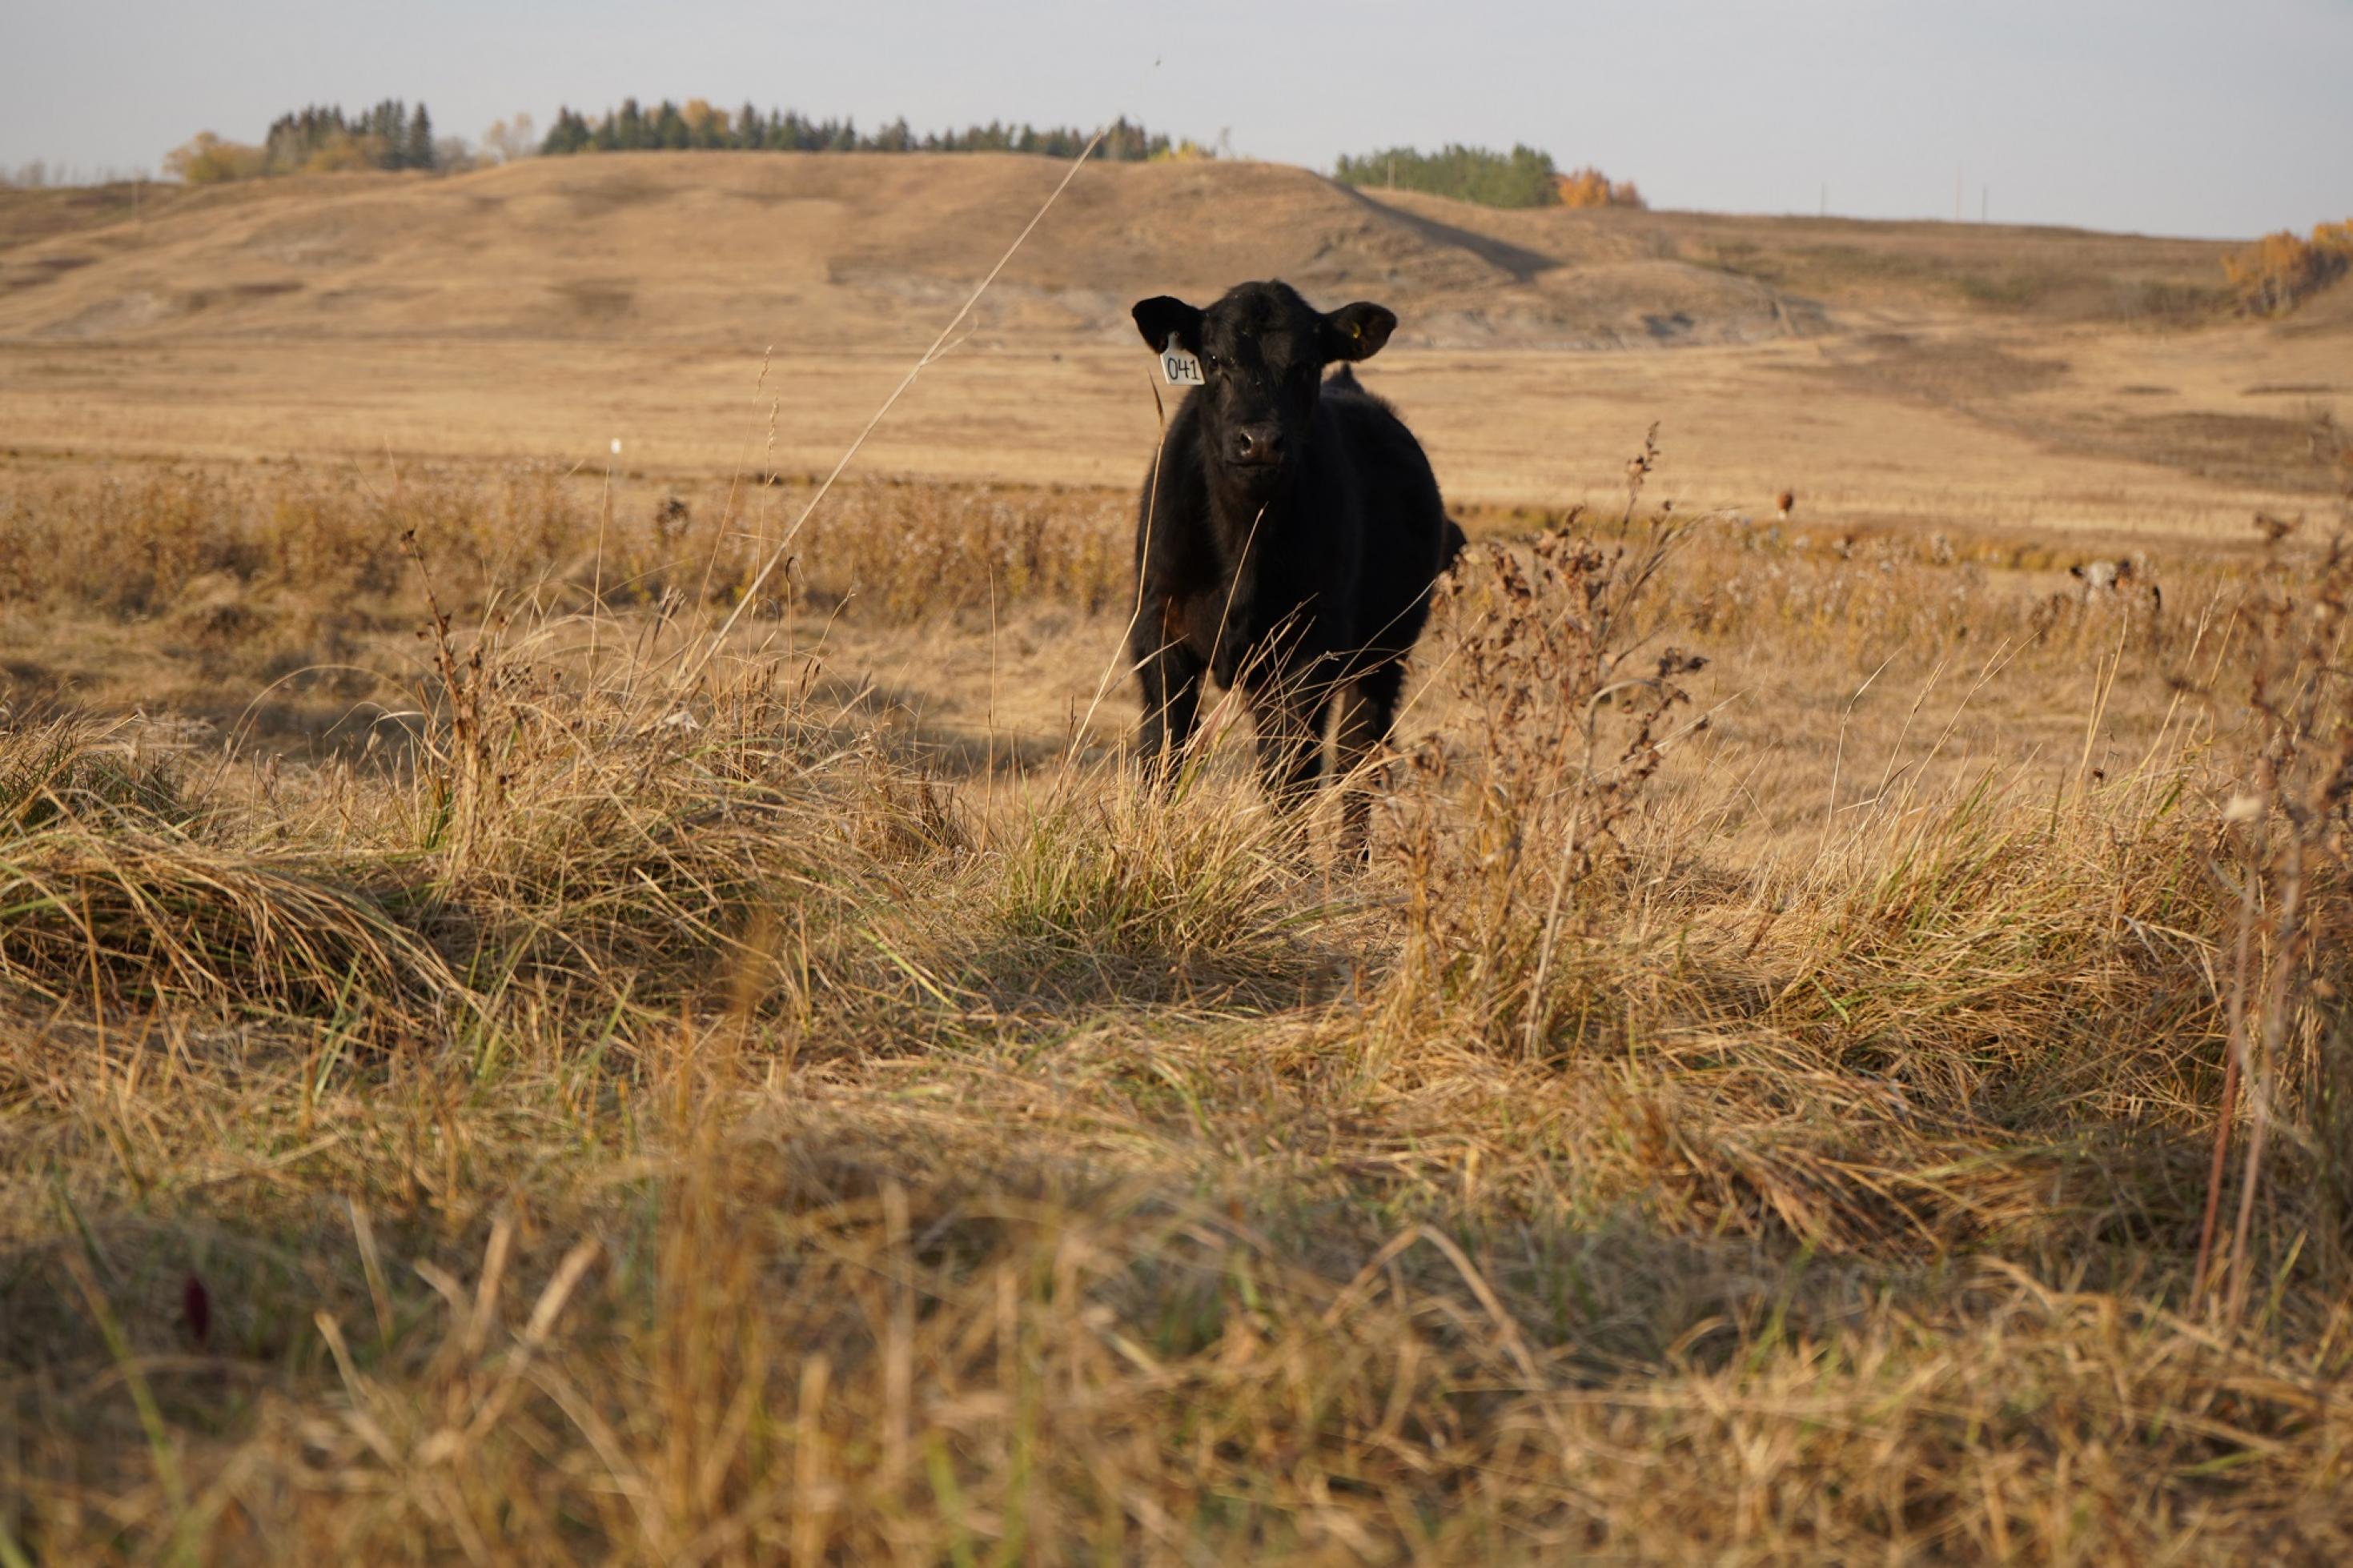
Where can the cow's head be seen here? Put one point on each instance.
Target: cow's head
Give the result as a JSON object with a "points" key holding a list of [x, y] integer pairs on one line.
{"points": [[1262, 350]]}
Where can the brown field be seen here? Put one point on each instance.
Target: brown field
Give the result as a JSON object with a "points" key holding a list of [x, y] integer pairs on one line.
{"points": [[492, 1068]]}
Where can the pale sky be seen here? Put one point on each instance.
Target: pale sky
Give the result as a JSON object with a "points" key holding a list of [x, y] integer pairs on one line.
{"points": [[2190, 116]]}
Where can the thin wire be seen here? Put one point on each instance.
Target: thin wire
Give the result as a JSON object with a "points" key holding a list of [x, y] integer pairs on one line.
{"points": [[711, 649]]}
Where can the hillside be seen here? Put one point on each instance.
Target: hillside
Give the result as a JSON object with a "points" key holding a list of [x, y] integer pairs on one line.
{"points": [[715, 308], [833, 250]]}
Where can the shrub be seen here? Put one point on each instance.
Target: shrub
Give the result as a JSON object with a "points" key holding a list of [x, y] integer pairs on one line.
{"points": [[1575, 697], [1590, 187], [206, 160], [2280, 271]]}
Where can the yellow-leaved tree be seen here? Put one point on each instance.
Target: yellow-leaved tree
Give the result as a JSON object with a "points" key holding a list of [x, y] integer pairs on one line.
{"points": [[2279, 272], [206, 160], [1590, 187]]}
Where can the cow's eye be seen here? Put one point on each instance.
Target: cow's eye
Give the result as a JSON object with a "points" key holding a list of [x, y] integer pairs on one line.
{"points": [[1212, 361]]}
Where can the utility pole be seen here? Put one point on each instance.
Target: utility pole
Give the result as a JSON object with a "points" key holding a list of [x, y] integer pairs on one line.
{"points": [[1984, 201], [1956, 193], [1826, 198]]}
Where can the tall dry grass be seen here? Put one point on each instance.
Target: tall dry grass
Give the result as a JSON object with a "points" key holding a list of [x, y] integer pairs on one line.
{"points": [[614, 1120], [143, 542]]}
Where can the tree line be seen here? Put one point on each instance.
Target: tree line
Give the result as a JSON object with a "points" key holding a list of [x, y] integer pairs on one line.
{"points": [[326, 139], [392, 135], [319, 139], [1523, 177], [634, 127]]}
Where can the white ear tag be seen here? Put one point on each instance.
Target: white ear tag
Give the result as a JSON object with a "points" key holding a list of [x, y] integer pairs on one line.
{"points": [[1177, 363]]}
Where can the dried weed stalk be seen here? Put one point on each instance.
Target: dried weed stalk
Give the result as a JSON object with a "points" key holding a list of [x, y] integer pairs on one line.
{"points": [[2287, 846], [1573, 703]]}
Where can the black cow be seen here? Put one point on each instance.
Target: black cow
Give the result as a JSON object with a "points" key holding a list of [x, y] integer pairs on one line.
{"points": [[1287, 537]]}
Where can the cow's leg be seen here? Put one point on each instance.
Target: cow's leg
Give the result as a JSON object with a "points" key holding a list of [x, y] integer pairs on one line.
{"points": [[1171, 676], [1368, 710], [1289, 718]]}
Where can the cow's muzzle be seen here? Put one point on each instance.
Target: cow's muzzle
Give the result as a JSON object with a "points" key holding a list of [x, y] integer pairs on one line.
{"points": [[1256, 445]]}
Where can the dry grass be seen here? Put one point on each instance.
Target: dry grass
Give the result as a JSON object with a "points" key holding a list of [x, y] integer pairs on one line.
{"points": [[777, 1119]]}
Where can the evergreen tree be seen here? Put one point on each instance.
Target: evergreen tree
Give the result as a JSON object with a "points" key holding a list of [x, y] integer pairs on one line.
{"points": [[569, 133], [419, 151], [388, 129]]}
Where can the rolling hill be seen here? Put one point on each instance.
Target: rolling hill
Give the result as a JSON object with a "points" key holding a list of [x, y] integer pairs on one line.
{"points": [[833, 250], [714, 310]]}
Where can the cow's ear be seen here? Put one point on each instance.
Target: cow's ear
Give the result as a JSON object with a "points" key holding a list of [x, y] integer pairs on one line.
{"points": [[1165, 321], [1356, 332]]}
